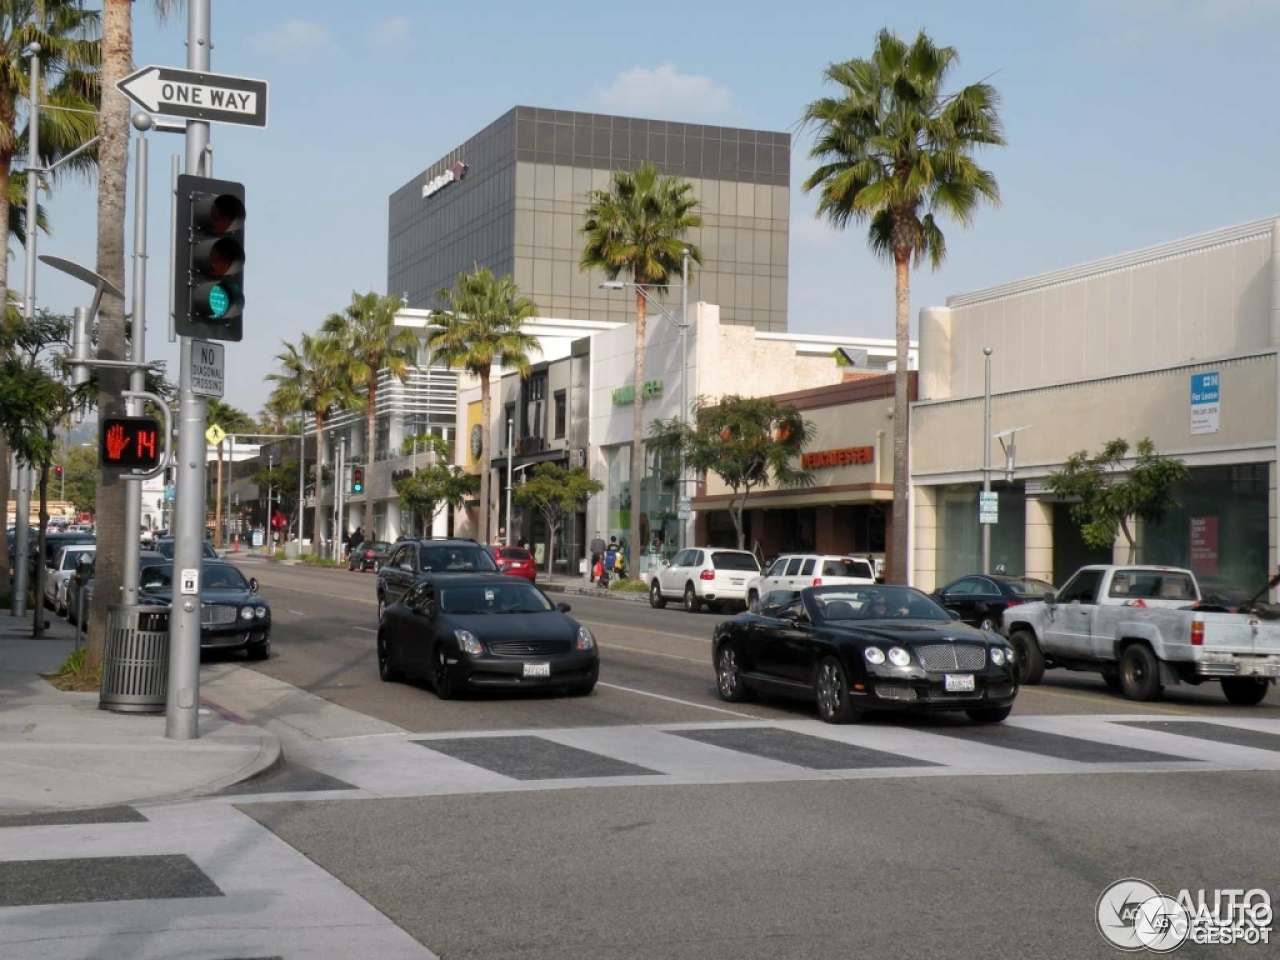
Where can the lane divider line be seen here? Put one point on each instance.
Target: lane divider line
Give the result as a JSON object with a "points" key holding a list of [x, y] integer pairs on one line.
{"points": [[687, 703]]}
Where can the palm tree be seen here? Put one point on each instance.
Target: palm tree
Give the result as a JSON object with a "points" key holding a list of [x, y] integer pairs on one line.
{"points": [[368, 330], [637, 227], [316, 378], [482, 327], [69, 56], [233, 420], [113, 162], [896, 150]]}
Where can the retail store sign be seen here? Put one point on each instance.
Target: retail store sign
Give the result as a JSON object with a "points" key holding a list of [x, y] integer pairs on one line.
{"points": [[457, 171], [1204, 546], [988, 507], [627, 394], [838, 458], [1205, 396]]}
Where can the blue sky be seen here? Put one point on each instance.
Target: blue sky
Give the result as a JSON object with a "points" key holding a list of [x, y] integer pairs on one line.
{"points": [[1130, 122]]}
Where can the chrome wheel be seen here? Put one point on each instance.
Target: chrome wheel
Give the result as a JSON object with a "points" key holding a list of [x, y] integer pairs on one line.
{"points": [[729, 677], [831, 691]]}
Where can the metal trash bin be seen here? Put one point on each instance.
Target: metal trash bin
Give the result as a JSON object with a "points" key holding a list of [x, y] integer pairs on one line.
{"points": [[135, 663]]}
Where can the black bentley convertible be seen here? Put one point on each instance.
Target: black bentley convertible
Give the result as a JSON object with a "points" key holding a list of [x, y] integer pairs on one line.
{"points": [[859, 648]]}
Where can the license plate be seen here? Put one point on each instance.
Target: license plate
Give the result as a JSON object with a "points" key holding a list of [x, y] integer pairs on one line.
{"points": [[959, 682], [544, 670], [737, 581]]}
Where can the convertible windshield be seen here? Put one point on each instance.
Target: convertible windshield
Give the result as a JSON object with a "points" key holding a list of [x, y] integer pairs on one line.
{"points": [[514, 596], [872, 603]]}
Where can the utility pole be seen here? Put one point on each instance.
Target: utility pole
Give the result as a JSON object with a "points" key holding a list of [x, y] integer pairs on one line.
{"points": [[986, 460], [183, 709], [137, 376]]}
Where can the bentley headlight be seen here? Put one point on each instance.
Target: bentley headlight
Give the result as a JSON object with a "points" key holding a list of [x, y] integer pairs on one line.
{"points": [[899, 657], [873, 655], [260, 612], [585, 640], [467, 642], [246, 613], [997, 656]]}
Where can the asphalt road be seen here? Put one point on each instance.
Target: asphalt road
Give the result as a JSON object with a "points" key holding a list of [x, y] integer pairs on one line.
{"points": [[655, 667]]}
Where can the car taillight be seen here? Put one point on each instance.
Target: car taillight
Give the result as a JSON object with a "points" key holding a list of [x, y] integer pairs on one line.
{"points": [[707, 575], [368, 554], [1012, 603], [1197, 633], [817, 581]]}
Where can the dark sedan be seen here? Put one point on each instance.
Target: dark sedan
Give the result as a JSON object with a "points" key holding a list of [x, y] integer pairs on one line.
{"points": [[369, 555], [855, 649], [463, 631], [981, 599], [232, 615]]}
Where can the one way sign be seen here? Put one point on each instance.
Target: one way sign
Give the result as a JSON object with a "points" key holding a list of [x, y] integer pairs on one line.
{"points": [[198, 96]]}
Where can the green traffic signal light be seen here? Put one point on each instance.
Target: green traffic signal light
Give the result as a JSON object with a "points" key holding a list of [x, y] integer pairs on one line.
{"points": [[209, 259], [357, 481]]}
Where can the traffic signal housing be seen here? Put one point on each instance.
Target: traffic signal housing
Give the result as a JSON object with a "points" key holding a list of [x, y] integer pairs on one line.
{"points": [[209, 259], [357, 480], [130, 443]]}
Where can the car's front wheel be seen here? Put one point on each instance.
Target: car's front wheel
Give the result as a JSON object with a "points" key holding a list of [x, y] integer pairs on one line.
{"points": [[260, 650], [729, 682], [753, 601], [382, 606], [1028, 658], [387, 671], [441, 678], [656, 599], [691, 601], [831, 691]]}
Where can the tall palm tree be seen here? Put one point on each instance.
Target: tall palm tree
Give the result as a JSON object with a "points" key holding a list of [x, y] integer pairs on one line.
{"points": [[69, 57], [482, 327], [896, 150], [316, 378], [113, 161], [368, 330], [233, 420], [637, 228]]}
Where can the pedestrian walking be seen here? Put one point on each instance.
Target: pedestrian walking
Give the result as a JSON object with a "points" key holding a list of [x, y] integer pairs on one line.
{"points": [[597, 553]]}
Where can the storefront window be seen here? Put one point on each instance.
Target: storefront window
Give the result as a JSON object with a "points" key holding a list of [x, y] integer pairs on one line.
{"points": [[960, 534]]}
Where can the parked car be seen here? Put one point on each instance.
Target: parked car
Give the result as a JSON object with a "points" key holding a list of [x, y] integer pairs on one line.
{"points": [[76, 586], [369, 555], [516, 562], [475, 630], [410, 560], [712, 576], [232, 615], [164, 547], [792, 571], [860, 648], [980, 600], [53, 542], [59, 572]]}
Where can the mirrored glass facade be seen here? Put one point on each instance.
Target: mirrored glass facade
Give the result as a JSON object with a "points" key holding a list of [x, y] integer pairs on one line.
{"points": [[518, 206]]}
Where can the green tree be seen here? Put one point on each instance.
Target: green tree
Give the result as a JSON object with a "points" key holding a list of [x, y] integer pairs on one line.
{"points": [[428, 490], [1113, 494], [557, 494], [637, 228], [233, 420], [896, 151], [315, 379], [483, 329], [80, 475], [69, 54], [748, 442], [368, 330]]}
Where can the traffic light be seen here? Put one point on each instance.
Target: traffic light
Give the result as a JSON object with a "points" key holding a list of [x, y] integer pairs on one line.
{"points": [[57, 470], [130, 443], [357, 480], [208, 298]]}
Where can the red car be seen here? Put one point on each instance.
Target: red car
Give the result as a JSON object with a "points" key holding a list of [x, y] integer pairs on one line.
{"points": [[516, 562]]}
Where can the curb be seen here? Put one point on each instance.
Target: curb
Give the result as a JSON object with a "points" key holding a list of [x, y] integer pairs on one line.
{"points": [[580, 591]]}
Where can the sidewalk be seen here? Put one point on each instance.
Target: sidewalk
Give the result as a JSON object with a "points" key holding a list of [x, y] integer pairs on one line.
{"points": [[58, 751]]}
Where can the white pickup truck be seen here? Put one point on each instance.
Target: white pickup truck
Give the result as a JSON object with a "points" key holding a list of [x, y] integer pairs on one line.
{"points": [[1143, 628]]}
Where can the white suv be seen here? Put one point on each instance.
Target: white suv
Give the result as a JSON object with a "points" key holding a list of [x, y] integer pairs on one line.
{"points": [[792, 571], [713, 576]]}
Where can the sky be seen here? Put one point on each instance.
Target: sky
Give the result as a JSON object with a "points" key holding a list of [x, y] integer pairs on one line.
{"points": [[1129, 123]]}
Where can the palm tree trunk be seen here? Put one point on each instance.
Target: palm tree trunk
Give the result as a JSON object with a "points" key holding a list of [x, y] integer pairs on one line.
{"points": [[486, 458], [113, 157], [371, 423], [315, 524], [637, 431], [898, 559], [6, 164]]}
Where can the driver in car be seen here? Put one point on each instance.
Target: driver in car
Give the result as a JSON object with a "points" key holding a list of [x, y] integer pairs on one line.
{"points": [[881, 608]]}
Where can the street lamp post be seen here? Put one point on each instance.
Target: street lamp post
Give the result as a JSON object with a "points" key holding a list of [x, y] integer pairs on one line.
{"points": [[986, 462], [683, 326], [511, 426]]}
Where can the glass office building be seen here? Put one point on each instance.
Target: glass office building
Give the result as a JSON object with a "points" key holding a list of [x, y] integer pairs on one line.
{"points": [[513, 197]]}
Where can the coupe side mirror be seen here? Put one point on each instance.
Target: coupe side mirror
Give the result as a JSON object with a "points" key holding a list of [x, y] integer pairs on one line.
{"points": [[563, 607], [1050, 599], [954, 614], [407, 567], [253, 584]]}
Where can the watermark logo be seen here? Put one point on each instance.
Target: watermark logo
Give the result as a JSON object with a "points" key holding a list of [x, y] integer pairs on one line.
{"points": [[1133, 915]]}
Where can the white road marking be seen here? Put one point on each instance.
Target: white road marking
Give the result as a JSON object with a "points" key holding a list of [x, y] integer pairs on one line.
{"points": [[687, 703], [297, 613], [366, 630]]}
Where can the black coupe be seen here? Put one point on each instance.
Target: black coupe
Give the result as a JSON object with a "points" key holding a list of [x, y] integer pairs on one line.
{"points": [[980, 600], [232, 615], [482, 631], [860, 648]]}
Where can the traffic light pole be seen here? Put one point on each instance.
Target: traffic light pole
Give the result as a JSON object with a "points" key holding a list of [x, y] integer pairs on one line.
{"points": [[137, 377], [183, 704]]}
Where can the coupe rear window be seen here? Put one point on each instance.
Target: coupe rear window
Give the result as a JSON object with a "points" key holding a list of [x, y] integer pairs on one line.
{"points": [[514, 553], [1029, 588], [734, 561], [457, 560], [847, 567], [504, 595]]}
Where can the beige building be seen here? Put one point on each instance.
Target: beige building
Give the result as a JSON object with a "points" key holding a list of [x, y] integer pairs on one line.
{"points": [[1177, 343]]}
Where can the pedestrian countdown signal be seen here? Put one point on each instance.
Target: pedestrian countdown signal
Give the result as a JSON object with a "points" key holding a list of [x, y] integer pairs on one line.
{"points": [[130, 443]]}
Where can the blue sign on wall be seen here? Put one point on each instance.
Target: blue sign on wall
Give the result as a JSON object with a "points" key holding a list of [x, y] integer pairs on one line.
{"points": [[1204, 388], [1205, 397]]}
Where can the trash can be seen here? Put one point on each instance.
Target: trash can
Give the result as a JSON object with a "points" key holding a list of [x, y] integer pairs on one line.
{"points": [[135, 663]]}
